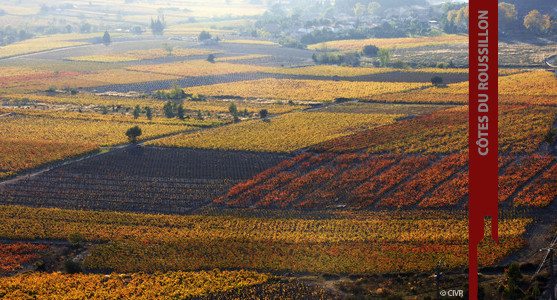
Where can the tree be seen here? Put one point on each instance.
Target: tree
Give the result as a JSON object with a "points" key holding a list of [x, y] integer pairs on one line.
{"points": [[148, 112], [136, 30], [359, 10], [157, 27], [352, 59], [176, 92], [511, 290], [436, 80], [180, 112], [373, 8], [459, 17], [211, 58], [75, 238], [233, 109], [384, 57], [536, 22], [106, 38], [85, 28], [204, 35], [263, 113], [168, 109], [507, 14], [370, 50], [168, 48], [136, 111], [133, 133]]}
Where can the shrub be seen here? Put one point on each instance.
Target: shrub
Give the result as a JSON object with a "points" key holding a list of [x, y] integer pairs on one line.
{"points": [[436, 80], [72, 267], [75, 238], [204, 35], [263, 113], [442, 65], [370, 51], [399, 64]]}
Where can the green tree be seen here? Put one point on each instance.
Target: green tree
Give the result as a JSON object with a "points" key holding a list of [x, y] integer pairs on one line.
{"points": [[136, 111], [180, 112], [148, 112], [436, 80], [370, 50], [168, 48], [136, 30], [133, 133], [384, 57], [75, 238], [513, 276], [106, 38], [204, 35], [263, 113], [85, 28], [211, 58], [176, 92], [158, 26], [233, 109], [168, 109], [513, 273]]}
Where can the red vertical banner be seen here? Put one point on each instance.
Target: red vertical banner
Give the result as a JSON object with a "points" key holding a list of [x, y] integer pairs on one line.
{"points": [[483, 129]]}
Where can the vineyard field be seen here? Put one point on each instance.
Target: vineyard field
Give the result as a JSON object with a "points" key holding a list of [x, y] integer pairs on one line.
{"points": [[315, 90], [400, 43], [521, 129], [357, 242], [282, 134], [142, 55], [128, 286], [277, 157], [139, 180], [357, 181]]}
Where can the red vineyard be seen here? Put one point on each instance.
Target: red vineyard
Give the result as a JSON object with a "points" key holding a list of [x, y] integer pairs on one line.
{"points": [[386, 181]]}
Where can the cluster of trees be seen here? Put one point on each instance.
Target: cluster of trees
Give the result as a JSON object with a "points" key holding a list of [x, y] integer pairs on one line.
{"points": [[347, 58], [456, 19], [176, 93], [385, 30], [233, 109], [173, 109], [10, 35], [147, 110], [540, 24], [157, 26]]}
